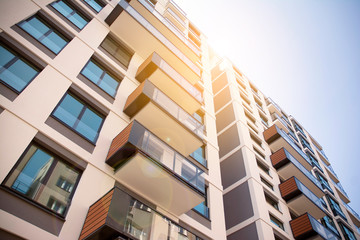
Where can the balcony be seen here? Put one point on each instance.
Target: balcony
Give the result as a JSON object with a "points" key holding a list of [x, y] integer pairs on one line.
{"points": [[169, 81], [355, 217], [163, 175], [158, 113], [277, 139], [175, 19], [300, 199], [306, 227], [273, 107], [280, 123], [332, 173], [341, 191], [117, 215], [287, 166], [148, 31], [322, 156]]}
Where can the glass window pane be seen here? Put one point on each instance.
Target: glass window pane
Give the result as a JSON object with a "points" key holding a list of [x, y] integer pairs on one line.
{"points": [[70, 13], [109, 84], [34, 27], [27, 177], [69, 110], [93, 72], [36, 177], [18, 75], [89, 124], [94, 4], [62, 7], [54, 42], [5, 56], [78, 20]]}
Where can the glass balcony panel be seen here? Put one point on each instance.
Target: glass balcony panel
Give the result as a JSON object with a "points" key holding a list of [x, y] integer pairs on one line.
{"points": [[321, 230], [309, 194]]}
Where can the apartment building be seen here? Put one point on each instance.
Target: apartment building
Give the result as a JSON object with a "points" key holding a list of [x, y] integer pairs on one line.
{"points": [[118, 121], [274, 169]]}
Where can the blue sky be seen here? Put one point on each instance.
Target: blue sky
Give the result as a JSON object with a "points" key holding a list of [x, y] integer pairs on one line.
{"points": [[305, 55]]}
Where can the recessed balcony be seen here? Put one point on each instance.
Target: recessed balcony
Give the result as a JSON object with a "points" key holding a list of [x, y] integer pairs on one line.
{"points": [[147, 164], [117, 215], [287, 166], [277, 139], [307, 227], [300, 199], [169, 81], [148, 31], [158, 113]]}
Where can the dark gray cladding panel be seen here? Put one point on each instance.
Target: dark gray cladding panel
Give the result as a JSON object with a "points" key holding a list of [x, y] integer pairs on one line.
{"points": [[237, 205], [225, 117], [248, 232], [228, 140], [232, 169]]}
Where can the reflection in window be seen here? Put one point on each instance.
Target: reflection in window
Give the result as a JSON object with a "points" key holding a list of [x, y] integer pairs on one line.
{"points": [[36, 176], [80, 117], [95, 73], [44, 33], [15, 71], [69, 12], [117, 50], [348, 234]]}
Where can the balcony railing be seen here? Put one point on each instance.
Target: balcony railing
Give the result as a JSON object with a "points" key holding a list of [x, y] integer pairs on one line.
{"points": [[176, 31], [351, 210], [176, 16], [307, 226], [340, 187], [331, 170], [291, 142], [198, 157], [176, 111], [274, 104], [118, 215], [202, 209], [309, 194]]}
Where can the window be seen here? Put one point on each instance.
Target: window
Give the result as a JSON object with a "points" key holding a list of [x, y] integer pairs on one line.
{"points": [[95, 4], [314, 161], [335, 207], [324, 182], [202, 208], [276, 221], [36, 175], [348, 234], [263, 167], [329, 223], [269, 185], [79, 117], [44, 33], [272, 201], [65, 184], [69, 12], [15, 71], [102, 78], [199, 155], [119, 51]]}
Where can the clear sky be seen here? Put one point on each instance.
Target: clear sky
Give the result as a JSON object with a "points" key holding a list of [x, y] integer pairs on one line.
{"points": [[305, 55]]}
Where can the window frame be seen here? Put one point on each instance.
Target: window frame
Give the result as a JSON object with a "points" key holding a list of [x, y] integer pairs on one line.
{"points": [[18, 56], [76, 8], [120, 43], [86, 105], [48, 174], [101, 3], [52, 29], [105, 70]]}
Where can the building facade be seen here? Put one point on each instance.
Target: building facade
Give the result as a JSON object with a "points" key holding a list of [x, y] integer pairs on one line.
{"points": [[119, 121]]}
